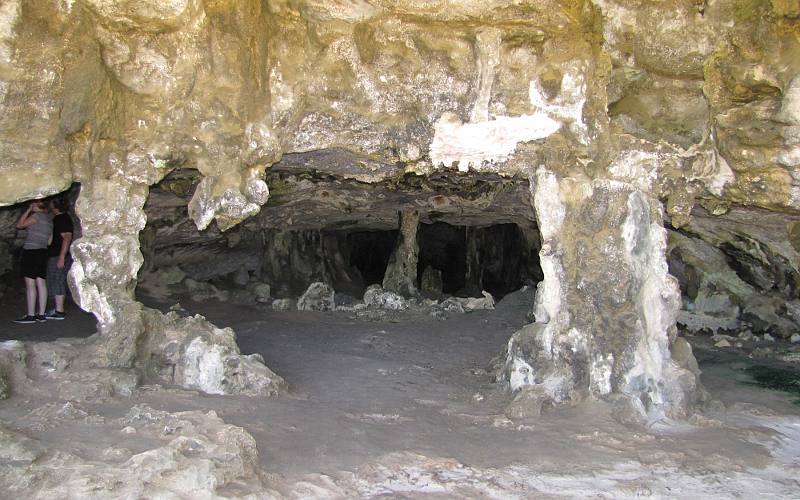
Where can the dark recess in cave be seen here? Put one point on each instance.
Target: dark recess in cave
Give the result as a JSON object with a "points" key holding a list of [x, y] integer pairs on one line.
{"points": [[370, 252], [444, 247], [495, 258], [504, 259]]}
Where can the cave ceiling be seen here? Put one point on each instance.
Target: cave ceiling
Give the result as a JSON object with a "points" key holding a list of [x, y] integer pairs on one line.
{"points": [[697, 100]]}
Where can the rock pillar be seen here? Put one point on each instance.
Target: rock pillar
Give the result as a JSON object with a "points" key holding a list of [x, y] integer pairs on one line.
{"points": [[605, 312], [401, 272], [190, 352], [107, 259], [473, 278]]}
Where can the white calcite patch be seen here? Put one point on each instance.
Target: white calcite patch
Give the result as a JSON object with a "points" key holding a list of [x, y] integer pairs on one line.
{"points": [[521, 374], [600, 373], [488, 59], [722, 177], [658, 302], [204, 367], [492, 141], [567, 106], [550, 214], [713, 170], [639, 167], [550, 210]]}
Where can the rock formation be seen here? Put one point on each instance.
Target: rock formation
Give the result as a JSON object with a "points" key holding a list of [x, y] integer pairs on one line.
{"points": [[626, 133]]}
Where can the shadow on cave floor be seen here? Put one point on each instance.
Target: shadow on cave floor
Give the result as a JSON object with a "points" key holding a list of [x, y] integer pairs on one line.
{"points": [[78, 323]]}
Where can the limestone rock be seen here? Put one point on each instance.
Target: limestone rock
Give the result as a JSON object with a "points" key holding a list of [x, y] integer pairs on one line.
{"points": [[317, 297], [261, 292], [53, 359], [629, 411], [452, 305], [431, 283], [475, 304], [171, 275], [284, 304], [241, 277], [13, 367], [682, 354], [189, 453], [375, 296], [192, 353], [16, 448], [547, 353], [401, 272], [96, 384], [528, 403], [345, 302], [200, 291]]}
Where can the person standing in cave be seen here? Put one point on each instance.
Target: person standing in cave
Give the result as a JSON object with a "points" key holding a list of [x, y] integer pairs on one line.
{"points": [[59, 260], [39, 226]]}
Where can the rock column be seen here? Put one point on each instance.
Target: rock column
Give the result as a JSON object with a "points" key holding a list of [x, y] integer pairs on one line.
{"points": [[605, 312], [107, 259], [190, 352], [401, 272]]}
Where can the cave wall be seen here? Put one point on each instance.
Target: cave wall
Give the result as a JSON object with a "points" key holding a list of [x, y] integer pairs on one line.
{"points": [[632, 104]]}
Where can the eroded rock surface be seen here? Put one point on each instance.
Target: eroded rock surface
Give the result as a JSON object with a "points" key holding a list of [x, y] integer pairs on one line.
{"points": [[156, 454], [613, 111]]}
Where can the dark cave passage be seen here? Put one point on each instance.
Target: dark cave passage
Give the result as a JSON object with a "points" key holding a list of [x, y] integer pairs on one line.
{"points": [[498, 258], [369, 253], [444, 247]]}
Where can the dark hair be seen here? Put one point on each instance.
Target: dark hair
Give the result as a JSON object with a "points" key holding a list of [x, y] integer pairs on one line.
{"points": [[61, 203]]}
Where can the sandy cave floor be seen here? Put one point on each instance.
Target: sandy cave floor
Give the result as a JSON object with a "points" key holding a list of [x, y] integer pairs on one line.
{"points": [[407, 407]]}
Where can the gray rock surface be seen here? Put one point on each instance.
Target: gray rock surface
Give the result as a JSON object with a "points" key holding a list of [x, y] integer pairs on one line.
{"points": [[317, 297]]}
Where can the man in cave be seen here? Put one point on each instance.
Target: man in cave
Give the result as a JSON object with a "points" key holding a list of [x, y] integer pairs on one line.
{"points": [[59, 259]]}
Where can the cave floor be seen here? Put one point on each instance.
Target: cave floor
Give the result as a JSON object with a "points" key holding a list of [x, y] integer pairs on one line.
{"points": [[406, 406]]}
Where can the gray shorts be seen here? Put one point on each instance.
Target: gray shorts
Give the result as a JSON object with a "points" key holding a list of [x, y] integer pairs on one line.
{"points": [[57, 278]]}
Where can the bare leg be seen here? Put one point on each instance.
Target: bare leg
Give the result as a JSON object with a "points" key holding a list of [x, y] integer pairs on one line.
{"points": [[60, 303], [41, 285], [30, 295]]}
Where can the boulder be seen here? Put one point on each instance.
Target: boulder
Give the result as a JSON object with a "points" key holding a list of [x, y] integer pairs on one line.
{"points": [[284, 304], [430, 285], [261, 291], [318, 297], [375, 296], [193, 353]]}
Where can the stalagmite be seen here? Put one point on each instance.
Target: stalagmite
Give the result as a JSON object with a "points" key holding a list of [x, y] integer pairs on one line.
{"points": [[401, 273]]}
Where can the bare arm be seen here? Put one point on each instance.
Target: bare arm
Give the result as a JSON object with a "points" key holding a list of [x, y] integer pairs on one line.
{"points": [[26, 219], [66, 239]]}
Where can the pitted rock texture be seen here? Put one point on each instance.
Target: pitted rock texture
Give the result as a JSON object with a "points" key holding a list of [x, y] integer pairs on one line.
{"points": [[193, 353], [627, 105], [155, 454]]}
